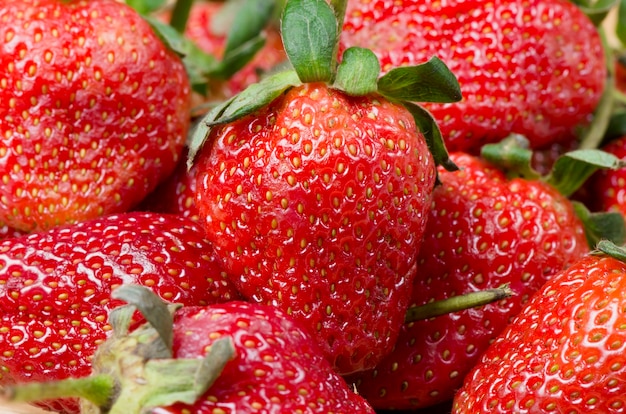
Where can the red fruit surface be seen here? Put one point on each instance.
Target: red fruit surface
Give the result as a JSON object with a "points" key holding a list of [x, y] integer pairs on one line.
{"points": [[532, 67], [55, 288], [565, 352], [277, 367], [317, 204], [483, 231], [606, 189], [176, 194], [94, 111]]}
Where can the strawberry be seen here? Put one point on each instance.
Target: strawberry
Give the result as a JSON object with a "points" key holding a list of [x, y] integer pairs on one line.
{"points": [[533, 67], [314, 185], [55, 287], [94, 111], [8, 232], [564, 352], [176, 194], [235, 357], [484, 230]]}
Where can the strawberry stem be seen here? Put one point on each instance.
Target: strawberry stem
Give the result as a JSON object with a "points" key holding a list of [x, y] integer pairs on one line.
{"points": [[457, 303], [98, 389], [180, 15]]}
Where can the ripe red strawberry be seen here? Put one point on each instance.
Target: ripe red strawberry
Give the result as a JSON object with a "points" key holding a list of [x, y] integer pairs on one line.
{"points": [[235, 357], [93, 110], [531, 67], [606, 190], [564, 352], [314, 186], [483, 231], [8, 232], [176, 194], [55, 287]]}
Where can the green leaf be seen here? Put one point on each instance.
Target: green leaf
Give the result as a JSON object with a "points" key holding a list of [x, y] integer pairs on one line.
{"points": [[185, 380], [180, 15], [620, 29], [249, 22], [358, 72], [236, 59], [572, 169], [429, 82], [309, 33], [512, 155], [602, 225], [256, 96], [197, 63], [617, 125], [598, 10], [610, 249], [146, 6], [155, 310], [428, 126], [248, 101]]}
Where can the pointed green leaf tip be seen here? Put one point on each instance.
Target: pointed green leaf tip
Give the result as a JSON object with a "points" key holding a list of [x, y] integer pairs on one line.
{"points": [[429, 82], [309, 32], [601, 225], [357, 75], [572, 169]]}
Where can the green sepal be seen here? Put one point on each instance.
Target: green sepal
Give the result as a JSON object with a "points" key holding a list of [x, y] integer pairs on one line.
{"points": [[573, 168], [146, 6], [606, 247], [358, 72], [170, 381], [429, 128], [601, 225], [598, 10], [309, 32], [617, 125], [457, 303], [253, 98], [98, 389], [428, 82], [620, 27], [153, 309], [248, 19], [236, 59], [197, 62], [512, 155], [180, 15]]}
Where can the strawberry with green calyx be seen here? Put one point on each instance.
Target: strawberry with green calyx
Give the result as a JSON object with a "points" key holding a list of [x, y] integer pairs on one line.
{"points": [[313, 185], [237, 357], [485, 229], [55, 288], [534, 67], [564, 352], [93, 115]]}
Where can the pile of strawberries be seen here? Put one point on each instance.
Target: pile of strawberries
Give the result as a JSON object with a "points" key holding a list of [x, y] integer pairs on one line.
{"points": [[312, 206]]}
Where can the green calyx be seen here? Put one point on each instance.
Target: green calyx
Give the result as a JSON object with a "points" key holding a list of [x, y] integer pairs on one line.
{"points": [[134, 372], [568, 174], [310, 31], [245, 36]]}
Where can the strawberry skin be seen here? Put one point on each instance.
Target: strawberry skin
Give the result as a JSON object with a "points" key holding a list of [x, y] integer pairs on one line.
{"points": [[277, 367], [483, 231], [176, 194], [55, 287], [563, 353], [94, 111], [317, 204], [531, 67]]}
